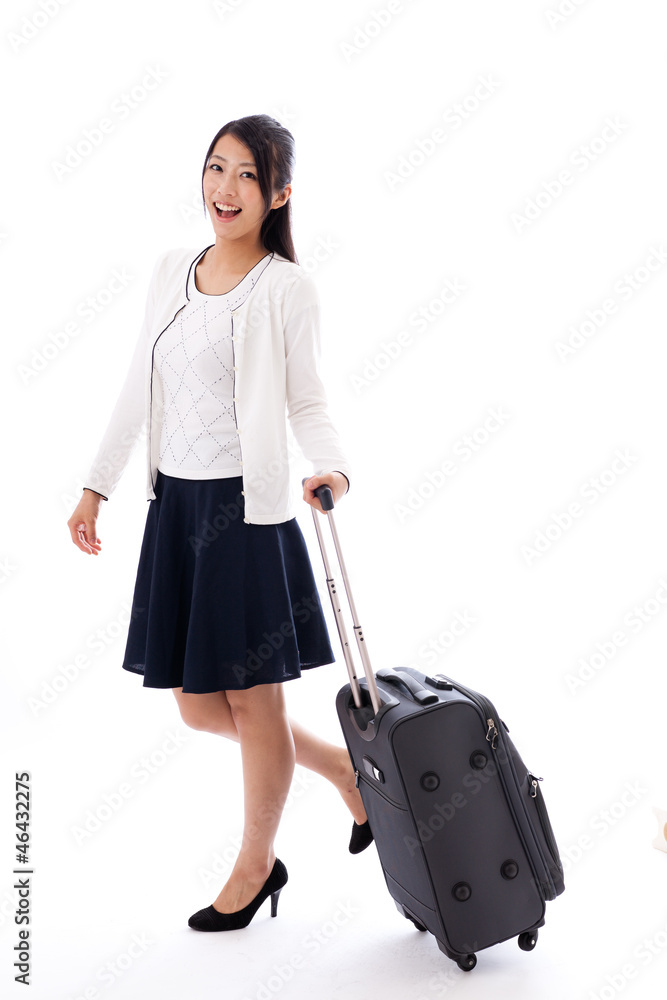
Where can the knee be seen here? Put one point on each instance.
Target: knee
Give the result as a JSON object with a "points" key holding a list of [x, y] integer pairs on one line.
{"points": [[253, 706], [240, 706], [197, 713], [195, 718]]}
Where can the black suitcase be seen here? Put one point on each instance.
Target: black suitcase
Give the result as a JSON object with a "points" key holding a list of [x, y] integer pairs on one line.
{"points": [[459, 822]]}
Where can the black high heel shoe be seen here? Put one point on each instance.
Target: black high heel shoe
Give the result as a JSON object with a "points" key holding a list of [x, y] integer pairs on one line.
{"points": [[210, 919], [361, 837]]}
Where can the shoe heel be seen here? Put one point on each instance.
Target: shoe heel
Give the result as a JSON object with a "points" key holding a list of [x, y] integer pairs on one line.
{"points": [[274, 902]]}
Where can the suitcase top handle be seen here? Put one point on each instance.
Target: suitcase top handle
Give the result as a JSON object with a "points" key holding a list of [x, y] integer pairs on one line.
{"points": [[417, 690]]}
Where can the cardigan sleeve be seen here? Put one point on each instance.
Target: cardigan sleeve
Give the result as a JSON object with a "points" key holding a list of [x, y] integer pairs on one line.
{"points": [[307, 407], [128, 420]]}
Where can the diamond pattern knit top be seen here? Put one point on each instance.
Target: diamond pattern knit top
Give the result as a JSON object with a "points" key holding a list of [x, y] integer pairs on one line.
{"points": [[194, 360]]}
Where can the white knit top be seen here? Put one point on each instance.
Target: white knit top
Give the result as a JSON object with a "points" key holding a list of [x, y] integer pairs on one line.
{"points": [[195, 362]]}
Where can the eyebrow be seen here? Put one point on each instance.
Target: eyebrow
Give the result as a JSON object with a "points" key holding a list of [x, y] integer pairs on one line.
{"points": [[243, 163]]}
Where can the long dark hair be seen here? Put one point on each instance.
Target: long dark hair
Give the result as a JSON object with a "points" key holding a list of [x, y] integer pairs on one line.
{"points": [[272, 146]]}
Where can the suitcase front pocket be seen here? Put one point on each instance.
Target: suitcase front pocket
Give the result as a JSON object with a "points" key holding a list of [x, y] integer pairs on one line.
{"points": [[374, 778], [397, 841]]}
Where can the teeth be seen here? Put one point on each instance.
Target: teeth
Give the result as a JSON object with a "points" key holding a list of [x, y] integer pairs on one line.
{"points": [[226, 208]]}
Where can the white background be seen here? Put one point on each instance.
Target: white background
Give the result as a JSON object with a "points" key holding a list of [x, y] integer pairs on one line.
{"points": [[361, 98]]}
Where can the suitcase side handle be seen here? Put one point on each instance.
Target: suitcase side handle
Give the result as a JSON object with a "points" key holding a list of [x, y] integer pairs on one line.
{"points": [[325, 496], [417, 690]]}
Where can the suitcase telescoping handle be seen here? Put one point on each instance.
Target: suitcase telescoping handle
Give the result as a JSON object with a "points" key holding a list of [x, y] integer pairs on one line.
{"points": [[325, 496]]}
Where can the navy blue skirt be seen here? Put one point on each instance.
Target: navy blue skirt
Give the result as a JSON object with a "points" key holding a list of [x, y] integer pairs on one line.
{"points": [[219, 604]]}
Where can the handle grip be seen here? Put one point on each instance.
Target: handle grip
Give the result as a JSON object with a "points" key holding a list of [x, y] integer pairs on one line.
{"points": [[325, 496]]}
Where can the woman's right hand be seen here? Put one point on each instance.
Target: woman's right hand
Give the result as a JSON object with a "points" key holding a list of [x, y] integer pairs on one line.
{"points": [[82, 523]]}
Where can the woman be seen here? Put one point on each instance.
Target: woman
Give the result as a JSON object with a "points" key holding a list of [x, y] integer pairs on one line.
{"points": [[225, 606]]}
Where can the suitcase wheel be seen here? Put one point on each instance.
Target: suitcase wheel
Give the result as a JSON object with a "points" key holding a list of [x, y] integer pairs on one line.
{"points": [[406, 913], [527, 940], [467, 962]]}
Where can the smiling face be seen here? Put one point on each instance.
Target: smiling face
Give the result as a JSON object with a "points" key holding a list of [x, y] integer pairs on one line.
{"points": [[232, 193]]}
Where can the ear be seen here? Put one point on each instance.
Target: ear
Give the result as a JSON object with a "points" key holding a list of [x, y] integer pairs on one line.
{"points": [[281, 199]]}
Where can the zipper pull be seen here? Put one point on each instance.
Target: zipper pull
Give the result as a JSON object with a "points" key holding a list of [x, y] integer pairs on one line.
{"points": [[492, 729], [533, 785], [356, 778]]}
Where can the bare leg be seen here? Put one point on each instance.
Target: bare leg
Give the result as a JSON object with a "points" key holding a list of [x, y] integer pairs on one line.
{"points": [[212, 714], [267, 753], [330, 761]]}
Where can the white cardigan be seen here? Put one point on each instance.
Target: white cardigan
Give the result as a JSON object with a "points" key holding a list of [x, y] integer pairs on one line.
{"points": [[276, 344]]}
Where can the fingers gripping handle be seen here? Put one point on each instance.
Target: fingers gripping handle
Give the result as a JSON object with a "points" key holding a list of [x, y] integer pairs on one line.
{"points": [[325, 496]]}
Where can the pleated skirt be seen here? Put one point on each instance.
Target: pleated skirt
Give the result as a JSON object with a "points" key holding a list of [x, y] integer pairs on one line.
{"points": [[219, 604]]}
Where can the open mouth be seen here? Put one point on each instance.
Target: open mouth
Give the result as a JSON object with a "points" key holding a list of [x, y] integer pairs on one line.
{"points": [[225, 211]]}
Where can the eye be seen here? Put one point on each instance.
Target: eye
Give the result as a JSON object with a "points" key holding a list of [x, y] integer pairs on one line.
{"points": [[213, 166], [249, 174]]}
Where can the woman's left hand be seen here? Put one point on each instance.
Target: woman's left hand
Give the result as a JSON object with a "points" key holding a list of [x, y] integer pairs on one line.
{"points": [[335, 480]]}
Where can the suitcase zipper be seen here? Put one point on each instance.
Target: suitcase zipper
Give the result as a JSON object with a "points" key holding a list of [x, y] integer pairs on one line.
{"points": [[371, 784], [492, 729], [492, 737], [487, 708], [536, 795]]}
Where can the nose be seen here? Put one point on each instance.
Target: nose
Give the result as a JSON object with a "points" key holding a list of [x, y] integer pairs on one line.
{"points": [[226, 187]]}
